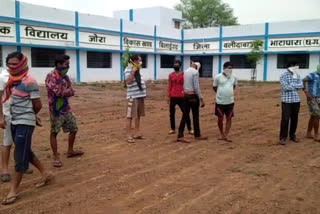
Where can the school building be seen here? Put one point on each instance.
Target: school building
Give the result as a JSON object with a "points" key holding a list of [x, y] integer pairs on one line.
{"points": [[96, 43]]}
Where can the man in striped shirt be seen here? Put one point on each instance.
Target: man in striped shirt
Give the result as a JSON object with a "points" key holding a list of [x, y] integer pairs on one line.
{"points": [[136, 93]]}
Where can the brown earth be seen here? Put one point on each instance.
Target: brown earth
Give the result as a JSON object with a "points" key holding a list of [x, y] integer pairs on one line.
{"points": [[251, 175]]}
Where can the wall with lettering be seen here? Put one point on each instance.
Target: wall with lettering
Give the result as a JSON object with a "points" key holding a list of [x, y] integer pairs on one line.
{"points": [[230, 46], [294, 27], [40, 73], [274, 73], [201, 47], [46, 36], [244, 30], [94, 21], [99, 41], [138, 44], [165, 31], [41, 13], [7, 32], [99, 74], [132, 27], [201, 33], [7, 8], [294, 44], [164, 46]]}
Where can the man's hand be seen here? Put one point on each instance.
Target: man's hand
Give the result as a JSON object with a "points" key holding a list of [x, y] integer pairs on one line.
{"points": [[3, 124], [309, 97], [202, 103], [134, 70], [38, 121]]}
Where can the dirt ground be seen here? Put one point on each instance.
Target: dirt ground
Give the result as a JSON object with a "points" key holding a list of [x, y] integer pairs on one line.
{"points": [[157, 175]]}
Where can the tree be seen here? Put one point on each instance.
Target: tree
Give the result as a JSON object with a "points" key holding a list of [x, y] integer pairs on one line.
{"points": [[255, 56], [206, 13]]}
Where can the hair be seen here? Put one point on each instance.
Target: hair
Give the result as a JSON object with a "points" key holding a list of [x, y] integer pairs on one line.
{"points": [[291, 64], [227, 64], [177, 61], [134, 57], [14, 55], [61, 59]]}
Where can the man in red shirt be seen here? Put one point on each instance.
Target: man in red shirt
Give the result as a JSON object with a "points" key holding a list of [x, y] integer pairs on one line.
{"points": [[176, 94]]}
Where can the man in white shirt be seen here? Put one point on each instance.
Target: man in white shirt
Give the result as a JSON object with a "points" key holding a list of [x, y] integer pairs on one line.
{"points": [[224, 85], [5, 121]]}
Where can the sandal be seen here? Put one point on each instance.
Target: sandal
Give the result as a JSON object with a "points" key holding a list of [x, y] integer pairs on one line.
{"points": [[57, 163], [130, 140], [5, 177], [10, 200], [140, 137], [172, 131], [182, 140], [45, 181], [75, 154]]}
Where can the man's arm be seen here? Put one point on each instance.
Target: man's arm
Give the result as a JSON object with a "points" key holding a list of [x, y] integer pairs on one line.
{"points": [[130, 77], [2, 121], [305, 80], [57, 88], [196, 87], [37, 105]]}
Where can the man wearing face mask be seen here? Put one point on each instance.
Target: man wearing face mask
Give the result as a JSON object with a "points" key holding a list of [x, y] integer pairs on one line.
{"points": [[175, 95], [224, 85], [59, 90], [290, 84], [192, 100]]}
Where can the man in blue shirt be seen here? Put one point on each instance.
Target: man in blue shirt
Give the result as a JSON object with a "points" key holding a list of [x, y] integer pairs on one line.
{"points": [[312, 93], [290, 84]]}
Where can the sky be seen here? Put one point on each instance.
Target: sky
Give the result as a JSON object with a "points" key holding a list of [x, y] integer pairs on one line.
{"points": [[247, 11]]}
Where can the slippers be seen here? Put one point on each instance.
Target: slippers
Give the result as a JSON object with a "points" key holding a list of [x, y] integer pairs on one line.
{"points": [[130, 140], [45, 181], [140, 137], [5, 177], [75, 154], [10, 200], [57, 163], [182, 140]]}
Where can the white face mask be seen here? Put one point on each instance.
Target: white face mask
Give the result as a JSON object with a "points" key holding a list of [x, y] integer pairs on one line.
{"points": [[140, 63], [227, 72], [294, 69]]}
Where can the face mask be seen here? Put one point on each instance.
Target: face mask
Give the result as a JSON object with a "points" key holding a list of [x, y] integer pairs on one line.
{"points": [[227, 72], [63, 70], [294, 69], [176, 68], [140, 63]]}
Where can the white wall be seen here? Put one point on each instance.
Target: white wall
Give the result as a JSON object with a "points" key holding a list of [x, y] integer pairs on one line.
{"points": [[47, 14], [294, 27], [99, 74], [201, 33], [166, 16], [94, 21], [121, 14], [274, 73], [244, 30], [215, 66], [7, 8], [148, 72], [163, 73], [133, 27], [166, 31]]}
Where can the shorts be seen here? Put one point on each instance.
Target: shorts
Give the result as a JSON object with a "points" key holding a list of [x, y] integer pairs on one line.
{"points": [[314, 107], [227, 110], [135, 108], [23, 155], [7, 134], [66, 121]]}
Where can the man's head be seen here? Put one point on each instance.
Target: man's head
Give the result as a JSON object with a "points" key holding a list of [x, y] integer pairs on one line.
{"points": [[136, 59], [177, 65], [293, 67], [196, 65], [14, 59], [62, 64], [227, 69]]}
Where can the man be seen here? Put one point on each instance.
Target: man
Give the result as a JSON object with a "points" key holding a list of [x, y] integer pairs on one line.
{"points": [[25, 104], [224, 85], [175, 95], [136, 93], [313, 99], [290, 84], [5, 124], [59, 90], [192, 100]]}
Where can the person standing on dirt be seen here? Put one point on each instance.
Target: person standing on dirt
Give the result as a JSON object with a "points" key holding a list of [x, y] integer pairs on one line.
{"points": [[175, 95], [25, 104], [291, 83], [136, 93], [59, 88], [224, 85], [312, 93], [192, 100]]}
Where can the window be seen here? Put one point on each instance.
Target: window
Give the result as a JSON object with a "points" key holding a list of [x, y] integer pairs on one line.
{"points": [[1, 63], [167, 61], [144, 58], [98, 59], [240, 62], [285, 59], [44, 57], [176, 24]]}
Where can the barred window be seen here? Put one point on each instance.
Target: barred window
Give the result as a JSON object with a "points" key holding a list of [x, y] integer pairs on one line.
{"points": [[167, 61], [240, 62], [99, 59], [283, 60], [44, 57]]}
